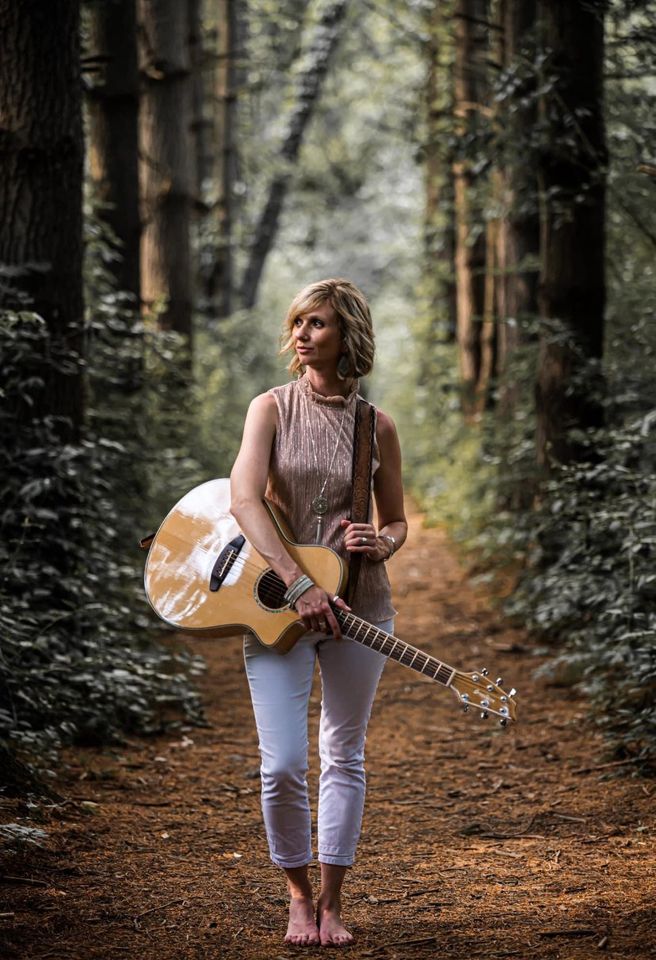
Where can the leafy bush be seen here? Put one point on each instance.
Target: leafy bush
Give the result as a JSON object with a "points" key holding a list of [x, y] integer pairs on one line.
{"points": [[79, 660], [590, 580]]}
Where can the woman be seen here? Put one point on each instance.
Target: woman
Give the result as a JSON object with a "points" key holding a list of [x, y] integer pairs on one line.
{"points": [[297, 451]]}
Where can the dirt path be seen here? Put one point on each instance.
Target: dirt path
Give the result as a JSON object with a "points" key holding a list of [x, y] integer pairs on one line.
{"points": [[477, 842]]}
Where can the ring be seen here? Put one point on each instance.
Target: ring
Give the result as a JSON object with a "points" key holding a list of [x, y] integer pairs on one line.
{"points": [[363, 539], [336, 598]]}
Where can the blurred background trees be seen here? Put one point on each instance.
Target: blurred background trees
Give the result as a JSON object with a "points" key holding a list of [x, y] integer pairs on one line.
{"points": [[480, 168]]}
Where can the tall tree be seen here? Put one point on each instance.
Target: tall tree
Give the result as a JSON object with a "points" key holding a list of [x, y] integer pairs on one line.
{"points": [[166, 169], [518, 240], [41, 165], [307, 88], [572, 172], [438, 217], [470, 75], [201, 124], [113, 101], [221, 278]]}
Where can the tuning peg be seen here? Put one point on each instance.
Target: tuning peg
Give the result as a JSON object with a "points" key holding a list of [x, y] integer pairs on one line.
{"points": [[499, 681], [485, 671], [490, 688], [503, 722], [465, 708], [484, 714], [512, 692]]}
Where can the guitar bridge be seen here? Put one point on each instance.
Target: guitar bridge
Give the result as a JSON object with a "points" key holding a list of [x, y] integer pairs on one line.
{"points": [[225, 562]]}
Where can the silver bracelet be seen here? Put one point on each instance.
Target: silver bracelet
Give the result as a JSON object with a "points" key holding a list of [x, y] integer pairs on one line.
{"points": [[295, 589], [386, 536]]}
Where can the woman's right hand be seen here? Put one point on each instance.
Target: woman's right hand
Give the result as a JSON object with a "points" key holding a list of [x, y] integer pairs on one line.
{"points": [[314, 608]]}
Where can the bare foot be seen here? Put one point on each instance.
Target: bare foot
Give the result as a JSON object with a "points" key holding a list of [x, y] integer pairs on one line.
{"points": [[332, 931], [302, 929]]}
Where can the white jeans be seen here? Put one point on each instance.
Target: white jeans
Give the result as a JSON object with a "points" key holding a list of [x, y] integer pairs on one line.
{"points": [[280, 690]]}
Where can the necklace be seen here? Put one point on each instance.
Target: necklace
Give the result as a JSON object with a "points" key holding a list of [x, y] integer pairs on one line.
{"points": [[320, 503]]}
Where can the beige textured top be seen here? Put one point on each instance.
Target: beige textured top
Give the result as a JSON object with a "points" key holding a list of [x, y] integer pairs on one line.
{"points": [[294, 481]]}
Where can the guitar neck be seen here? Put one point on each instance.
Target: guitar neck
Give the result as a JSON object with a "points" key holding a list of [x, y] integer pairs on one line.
{"points": [[390, 646]]}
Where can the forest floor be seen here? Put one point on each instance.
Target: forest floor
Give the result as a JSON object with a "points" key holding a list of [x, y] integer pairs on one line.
{"points": [[477, 841]]}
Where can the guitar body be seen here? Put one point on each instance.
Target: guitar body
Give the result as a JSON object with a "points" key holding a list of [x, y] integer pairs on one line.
{"points": [[203, 576], [194, 536]]}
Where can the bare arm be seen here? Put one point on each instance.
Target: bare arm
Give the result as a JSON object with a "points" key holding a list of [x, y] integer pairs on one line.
{"points": [[248, 482]]}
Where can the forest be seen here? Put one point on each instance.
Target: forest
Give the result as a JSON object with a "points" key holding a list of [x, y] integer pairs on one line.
{"points": [[173, 171]]}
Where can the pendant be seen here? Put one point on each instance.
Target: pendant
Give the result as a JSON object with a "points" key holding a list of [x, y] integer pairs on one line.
{"points": [[320, 506]]}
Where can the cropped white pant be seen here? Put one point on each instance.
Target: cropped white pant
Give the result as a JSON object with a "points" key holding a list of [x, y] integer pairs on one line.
{"points": [[280, 690]]}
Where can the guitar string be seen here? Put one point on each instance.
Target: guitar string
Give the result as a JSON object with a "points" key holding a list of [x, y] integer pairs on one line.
{"points": [[273, 584], [405, 649], [271, 592]]}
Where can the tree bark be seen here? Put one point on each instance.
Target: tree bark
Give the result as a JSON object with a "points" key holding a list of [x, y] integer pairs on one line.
{"points": [[438, 213], [518, 242], [469, 94], [221, 280], [41, 166], [307, 90], [572, 174], [113, 104], [201, 125], [166, 169]]}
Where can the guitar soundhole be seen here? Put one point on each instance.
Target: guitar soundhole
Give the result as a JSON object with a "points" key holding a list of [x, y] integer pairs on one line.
{"points": [[270, 590]]}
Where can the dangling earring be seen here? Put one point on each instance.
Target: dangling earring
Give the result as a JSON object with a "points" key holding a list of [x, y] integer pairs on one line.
{"points": [[343, 366]]}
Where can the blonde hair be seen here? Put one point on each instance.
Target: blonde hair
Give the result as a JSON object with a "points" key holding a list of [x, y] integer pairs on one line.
{"points": [[353, 315]]}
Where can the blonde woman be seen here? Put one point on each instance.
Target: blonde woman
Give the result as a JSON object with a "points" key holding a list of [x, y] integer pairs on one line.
{"points": [[297, 451]]}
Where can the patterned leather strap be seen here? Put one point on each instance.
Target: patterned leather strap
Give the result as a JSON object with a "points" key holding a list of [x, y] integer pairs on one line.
{"points": [[363, 453]]}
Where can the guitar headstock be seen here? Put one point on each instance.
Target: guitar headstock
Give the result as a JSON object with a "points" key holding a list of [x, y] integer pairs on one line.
{"points": [[476, 690]]}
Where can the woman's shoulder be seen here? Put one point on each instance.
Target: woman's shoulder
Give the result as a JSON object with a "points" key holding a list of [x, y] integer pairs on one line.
{"points": [[264, 406], [385, 426]]}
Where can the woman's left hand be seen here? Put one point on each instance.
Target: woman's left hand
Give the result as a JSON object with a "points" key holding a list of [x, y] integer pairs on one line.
{"points": [[362, 538]]}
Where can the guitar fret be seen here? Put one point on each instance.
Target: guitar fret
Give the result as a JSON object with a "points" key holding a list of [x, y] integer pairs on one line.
{"points": [[388, 641], [395, 649], [422, 656], [377, 641]]}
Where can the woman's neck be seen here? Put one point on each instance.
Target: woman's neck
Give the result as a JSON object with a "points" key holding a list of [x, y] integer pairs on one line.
{"points": [[328, 384]]}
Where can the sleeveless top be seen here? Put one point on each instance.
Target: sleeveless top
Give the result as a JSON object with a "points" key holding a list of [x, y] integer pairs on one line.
{"points": [[294, 481]]}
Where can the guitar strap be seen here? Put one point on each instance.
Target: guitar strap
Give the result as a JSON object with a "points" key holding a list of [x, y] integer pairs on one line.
{"points": [[363, 453]]}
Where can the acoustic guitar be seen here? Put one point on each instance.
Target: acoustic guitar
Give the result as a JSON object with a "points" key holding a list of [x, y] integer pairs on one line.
{"points": [[203, 576]]}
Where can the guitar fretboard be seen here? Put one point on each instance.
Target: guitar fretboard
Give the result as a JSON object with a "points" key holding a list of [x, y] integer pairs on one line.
{"points": [[390, 646]]}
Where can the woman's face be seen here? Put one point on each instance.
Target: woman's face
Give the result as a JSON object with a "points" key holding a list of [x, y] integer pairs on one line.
{"points": [[317, 338]]}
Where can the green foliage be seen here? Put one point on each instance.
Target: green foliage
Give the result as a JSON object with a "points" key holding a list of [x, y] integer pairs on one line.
{"points": [[80, 658], [590, 580]]}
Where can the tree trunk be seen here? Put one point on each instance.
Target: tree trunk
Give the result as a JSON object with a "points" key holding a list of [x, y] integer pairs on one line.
{"points": [[166, 169], [518, 241], [221, 281], [41, 165], [201, 125], [438, 214], [572, 183], [469, 93], [113, 103], [307, 90]]}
